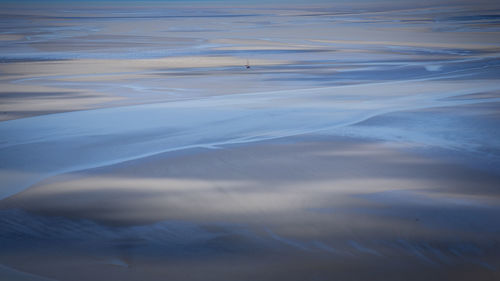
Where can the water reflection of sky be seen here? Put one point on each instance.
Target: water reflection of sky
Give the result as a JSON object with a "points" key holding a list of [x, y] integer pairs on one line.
{"points": [[183, 157]]}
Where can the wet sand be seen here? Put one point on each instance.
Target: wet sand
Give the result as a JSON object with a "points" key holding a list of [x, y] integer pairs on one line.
{"points": [[294, 208], [150, 54], [362, 144], [10, 274]]}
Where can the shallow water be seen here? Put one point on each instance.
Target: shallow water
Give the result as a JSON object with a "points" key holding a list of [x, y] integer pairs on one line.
{"points": [[135, 144]]}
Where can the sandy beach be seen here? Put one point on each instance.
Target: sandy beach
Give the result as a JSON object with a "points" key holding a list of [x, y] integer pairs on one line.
{"points": [[361, 144]]}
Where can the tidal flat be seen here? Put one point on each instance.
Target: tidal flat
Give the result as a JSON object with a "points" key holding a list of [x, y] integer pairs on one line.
{"points": [[249, 140]]}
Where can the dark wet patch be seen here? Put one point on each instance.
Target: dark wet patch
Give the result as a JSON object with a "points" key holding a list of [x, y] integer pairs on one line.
{"points": [[463, 216], [42, 95], [29, 59], [493, 17]]}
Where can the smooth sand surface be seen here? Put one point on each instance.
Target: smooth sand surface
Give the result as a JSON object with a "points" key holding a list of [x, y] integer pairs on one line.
{"points": [[11, 274], [43, 146], [150, 54], [338, 207], [361, 144]]}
